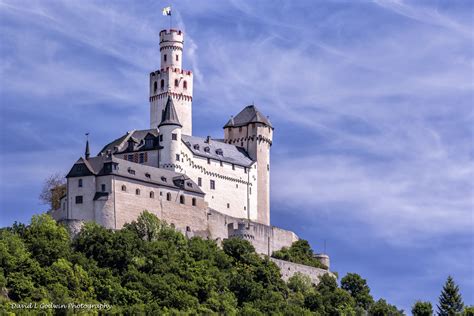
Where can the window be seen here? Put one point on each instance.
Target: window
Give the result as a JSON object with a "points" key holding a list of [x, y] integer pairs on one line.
{"points": [[268, 167], [141, 158], [209, 161], [213, 185], [228, 205], [161, 193], [124, 188], [102, 187], [79, 199], [236, 185], [207, 149], [177, 57], [193, 201], [200, 182], [240, 129], [185, 84], [177, 157], [155, 86], [176, 83], [163, 179], [245, 169], [196, 147], [181, 199], [162, 84], [147, 175], [168, 196], [174, 136], [79, 168], [79, 184], [165, 57], [137, 191], [221, 163], [131, 171], [161, 138], [130, 158], [233, 167], [152, 195], [149, 142], [189, 184]]}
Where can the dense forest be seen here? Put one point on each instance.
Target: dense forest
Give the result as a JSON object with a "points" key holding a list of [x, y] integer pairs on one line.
{"points": [[149, 268]]}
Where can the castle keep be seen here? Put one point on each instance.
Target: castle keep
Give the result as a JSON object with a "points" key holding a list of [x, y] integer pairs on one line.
{"points": [[203, 186]]}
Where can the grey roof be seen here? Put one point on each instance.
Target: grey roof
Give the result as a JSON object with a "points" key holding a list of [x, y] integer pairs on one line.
{"points": [[218, 150], [169, 114], [96, 166], [250, 114], [120, 145]]}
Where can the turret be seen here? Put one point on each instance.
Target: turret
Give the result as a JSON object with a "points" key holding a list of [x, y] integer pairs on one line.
{"points": [[171, 80], [170, 137], [253, 131]]}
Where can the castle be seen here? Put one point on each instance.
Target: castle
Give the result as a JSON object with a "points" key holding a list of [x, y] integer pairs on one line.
{"points": [[213, 188]]}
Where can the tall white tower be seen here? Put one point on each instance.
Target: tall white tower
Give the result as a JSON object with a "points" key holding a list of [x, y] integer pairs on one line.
{"points": [[171, 80]]}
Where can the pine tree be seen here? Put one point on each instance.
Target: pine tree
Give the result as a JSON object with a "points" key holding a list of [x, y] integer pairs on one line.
{"points": [[450, 300]]}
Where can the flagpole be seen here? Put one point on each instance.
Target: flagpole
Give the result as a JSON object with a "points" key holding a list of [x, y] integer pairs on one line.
{"points": [[171, 16]]}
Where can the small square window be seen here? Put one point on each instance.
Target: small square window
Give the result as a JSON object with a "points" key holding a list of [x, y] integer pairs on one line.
{"points": [[213, 185], [200, 182], [102, 187], [161, 138], [79, 184], [177, 157], [209, 161], [79, 199], [233, 167], [174, 136]]}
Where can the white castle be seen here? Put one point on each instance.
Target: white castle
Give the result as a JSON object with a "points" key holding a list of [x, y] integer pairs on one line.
{"points": [[213, 188]]}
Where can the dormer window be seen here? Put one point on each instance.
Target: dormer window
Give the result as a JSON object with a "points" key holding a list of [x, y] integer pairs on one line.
{"points": [[207, 149], [149, 142], [219, 152], [130, 145], [196, 147], [148, 175], [189, 184], [131, 171], [163, 179]]}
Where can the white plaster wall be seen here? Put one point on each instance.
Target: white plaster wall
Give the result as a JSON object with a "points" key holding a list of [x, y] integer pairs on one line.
{"points": [[171, 147], [231, 185], [84, 211]]}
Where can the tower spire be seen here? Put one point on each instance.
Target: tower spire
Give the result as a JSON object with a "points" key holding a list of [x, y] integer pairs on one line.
{"points": [[87, 152]]}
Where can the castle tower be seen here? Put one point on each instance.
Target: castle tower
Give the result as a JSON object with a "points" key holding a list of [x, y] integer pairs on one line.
{"points": [[171, 80], [170, 137], [253, 131]]}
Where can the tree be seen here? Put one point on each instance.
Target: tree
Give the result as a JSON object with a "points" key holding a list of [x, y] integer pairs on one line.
{"points": [[299, 252], [54, 188], [358, 289], [450, 300], [422, 309], [468, 311], [382, 308]]}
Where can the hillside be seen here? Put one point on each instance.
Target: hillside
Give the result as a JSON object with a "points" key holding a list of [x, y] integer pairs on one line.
{"points": [[148, 267]]}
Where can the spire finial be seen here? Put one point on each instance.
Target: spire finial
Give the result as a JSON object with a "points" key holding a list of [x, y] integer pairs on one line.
{"points": [[87, 153]]}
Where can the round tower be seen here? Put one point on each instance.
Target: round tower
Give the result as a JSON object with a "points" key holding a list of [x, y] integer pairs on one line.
{"points": [[171, 80], [170, 137], [322, 258]]}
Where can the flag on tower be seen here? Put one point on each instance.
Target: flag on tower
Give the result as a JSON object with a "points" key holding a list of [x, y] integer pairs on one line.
{"points": [[167, 11]]}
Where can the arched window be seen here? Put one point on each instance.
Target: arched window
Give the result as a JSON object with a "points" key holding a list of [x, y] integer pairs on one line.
{"points": [[164, 57], [137, 191], [185, 84], [181, 199], [152, 195], [79, 184], [176, 82], [155, 86], [177, 57], [194, 201], [168, 196], [162, 84], [124, 188]]}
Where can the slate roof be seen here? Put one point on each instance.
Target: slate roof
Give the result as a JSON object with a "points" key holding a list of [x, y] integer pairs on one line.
{"points": [[169, 115], [138, 136], [217, 150], [249, 114], [97, 166]]}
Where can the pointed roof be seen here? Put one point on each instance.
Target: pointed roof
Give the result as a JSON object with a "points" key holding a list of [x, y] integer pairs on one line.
{"points": [[87, 153], [169, 115], [249, 114]]}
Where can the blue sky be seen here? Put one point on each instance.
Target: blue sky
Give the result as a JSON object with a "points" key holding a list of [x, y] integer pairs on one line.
{"points": [[371, 100]]}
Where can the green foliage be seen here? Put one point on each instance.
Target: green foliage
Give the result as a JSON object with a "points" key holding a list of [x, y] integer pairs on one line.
{"points": [[148, 268], [358, 289], [450, 300], [468, 311], [382, 308], [422, 309], [299, 252]]}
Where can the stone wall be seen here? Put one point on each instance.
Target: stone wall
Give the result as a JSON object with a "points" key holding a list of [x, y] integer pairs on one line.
{"points": [[288, 269]]}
